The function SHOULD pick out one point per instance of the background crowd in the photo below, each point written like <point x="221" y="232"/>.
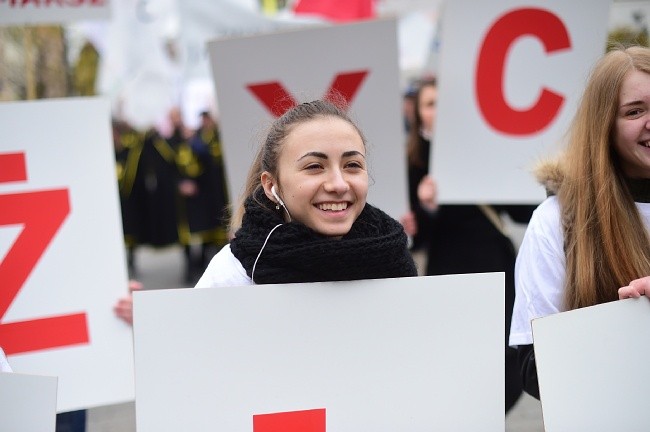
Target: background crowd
<point x="173" y="190"/>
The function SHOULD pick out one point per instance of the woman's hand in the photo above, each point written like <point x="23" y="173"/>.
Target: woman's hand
<point x="409" y="223"/>
<point x="428" y="193"/>
<point x="635" y="289"/>
<point x="124" y="307"/>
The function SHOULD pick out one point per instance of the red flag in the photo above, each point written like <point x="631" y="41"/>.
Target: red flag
<point x="337" y="10"/>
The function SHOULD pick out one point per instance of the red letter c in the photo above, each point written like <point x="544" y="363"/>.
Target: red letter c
<point x="550" y="30"/>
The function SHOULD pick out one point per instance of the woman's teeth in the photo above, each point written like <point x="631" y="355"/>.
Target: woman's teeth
<point x="333" y="206"/>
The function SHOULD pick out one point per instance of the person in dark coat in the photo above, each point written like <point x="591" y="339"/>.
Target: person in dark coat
<point x="128" y="144"/>
<point x="459" y="239"/>
<point x="203" y="205"/>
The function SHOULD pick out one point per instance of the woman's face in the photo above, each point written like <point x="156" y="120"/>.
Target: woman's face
<point x="323" y="177"/>
<point x="632" y="131"/>
<point x="427" y="101"/>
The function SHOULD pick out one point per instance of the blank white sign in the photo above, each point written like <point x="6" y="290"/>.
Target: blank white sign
<point x="410" y="354"/>
<point x="592" y="367"/>
<point x="27" y="403"/>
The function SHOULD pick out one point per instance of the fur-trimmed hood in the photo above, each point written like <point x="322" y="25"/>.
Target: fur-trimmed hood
<point x="550" y="174"/>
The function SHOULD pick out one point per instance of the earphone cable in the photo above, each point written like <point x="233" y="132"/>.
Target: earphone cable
<point x="259" y="254"/>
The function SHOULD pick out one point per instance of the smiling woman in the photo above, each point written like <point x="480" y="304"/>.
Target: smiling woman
<point x="324" y="179"/>
<point x="304" y="216"/>
<point x="588" y="243"/>
<point x="632" y="134"/>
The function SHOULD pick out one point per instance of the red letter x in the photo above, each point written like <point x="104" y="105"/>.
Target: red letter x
<point x="278" y="100"/>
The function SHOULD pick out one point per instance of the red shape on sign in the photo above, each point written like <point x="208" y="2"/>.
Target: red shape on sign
<point x="292" y="421"/>
<point x="551" y="31"/>
<point x="278" y="100"/>
<point x="345" y="85"/>
<point x="41" y="213"/>
<point x="12" y="167"/>
<point x="273" y="96"/>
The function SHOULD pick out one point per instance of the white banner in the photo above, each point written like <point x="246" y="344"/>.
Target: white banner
<point x="591" y="367"/>
<point x="27" y="403"/>
<point x="290" y="66"/>
<point x="409" y="354"/>
<point x="511" y="75"/>
<point x="30" y="12"/>
<point x="204" y="20"/>
<point x="61" y="244"/>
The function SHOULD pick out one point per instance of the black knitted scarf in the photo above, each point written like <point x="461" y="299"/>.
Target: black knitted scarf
<point x="375" y="248"/>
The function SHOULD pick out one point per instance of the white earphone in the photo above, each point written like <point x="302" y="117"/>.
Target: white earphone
<point x="275" y="194"/>
<point x="280" y="202"/>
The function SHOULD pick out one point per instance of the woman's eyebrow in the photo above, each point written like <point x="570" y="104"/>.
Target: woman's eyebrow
<point x="319" y="155"/>
<point x="353" y="153"/>
<point x="631" y="103"/>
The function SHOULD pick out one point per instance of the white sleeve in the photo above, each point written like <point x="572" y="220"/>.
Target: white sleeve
<point x="4" y="364"/>
<point x="224" y="270"/>
<point x="539" y="272"/>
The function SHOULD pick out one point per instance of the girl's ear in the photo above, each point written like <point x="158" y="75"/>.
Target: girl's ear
<point x="267" y="183"/>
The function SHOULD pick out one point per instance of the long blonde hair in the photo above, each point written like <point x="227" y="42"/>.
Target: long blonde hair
<point x="606" y="243"/>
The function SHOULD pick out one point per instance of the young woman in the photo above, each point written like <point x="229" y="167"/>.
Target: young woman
<point x="304" y="217"/>
<point x="591" y="236"/>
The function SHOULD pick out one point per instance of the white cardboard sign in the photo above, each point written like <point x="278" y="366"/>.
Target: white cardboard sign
<point x="511" y="74"/>
<point x="27" y="403"/>
<point x="590" y="365"/>
<point x="29" y="12"/>
<point x="255" y="76"/>
<point x="62" y="262"/>
<point x="375" y="355"/>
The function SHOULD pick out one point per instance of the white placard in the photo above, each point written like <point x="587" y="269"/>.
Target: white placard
<point x="27" y="403"/>
<point x="30" y="12"/>
<point x="63" y="263"/>
<point x="305" y="64"/>
<point x="408" y="354"/>
<point x="591" y="367"/>
<point x="511" y="75"/>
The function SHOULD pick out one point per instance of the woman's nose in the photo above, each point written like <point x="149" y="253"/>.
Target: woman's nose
<point x="336" y="182"/>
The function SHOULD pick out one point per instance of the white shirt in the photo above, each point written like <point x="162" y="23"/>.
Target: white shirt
<point x="224" y="270"/>
<point x="4" y="364"/>
<point x="540" y="269"/>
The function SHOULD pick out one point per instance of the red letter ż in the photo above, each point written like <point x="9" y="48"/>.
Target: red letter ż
<point x="550" y="30"/>
<point x="293" y="421"/>
<point x="278" y="100"/>
<point x="41" y="213"/>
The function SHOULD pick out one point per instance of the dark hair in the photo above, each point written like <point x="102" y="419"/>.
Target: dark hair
<point x="269" y="152"/>
<point x="413" y="143"/>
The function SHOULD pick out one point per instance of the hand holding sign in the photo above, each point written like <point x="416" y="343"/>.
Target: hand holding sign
<point x="635" y="289"/>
